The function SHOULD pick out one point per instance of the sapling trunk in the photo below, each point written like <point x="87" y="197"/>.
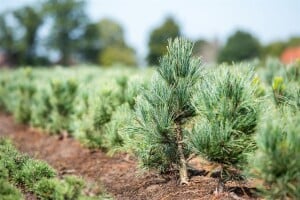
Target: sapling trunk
<point x="182" y="161"/>
<point x="221" y="182"/>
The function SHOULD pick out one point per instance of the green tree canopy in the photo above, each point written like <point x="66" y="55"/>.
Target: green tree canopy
<point x="90" y="43"/>
<point x="117" y="55"/>
<point x="111" y="33"/>
<point x="104" y="43"/>
<point x="30" y="19"/>
<point x="18" y="34"/>
<point x="273" y="49"/>
<point x="69" y="19"/>
<point x="7" y="37"/>
<point x="240" y="46"/>
<point x="158" y="40"/>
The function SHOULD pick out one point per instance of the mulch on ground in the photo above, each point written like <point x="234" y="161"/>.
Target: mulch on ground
<point x="118" y="175"/>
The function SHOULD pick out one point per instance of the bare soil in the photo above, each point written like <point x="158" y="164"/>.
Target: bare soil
<point x="118" y="175"/>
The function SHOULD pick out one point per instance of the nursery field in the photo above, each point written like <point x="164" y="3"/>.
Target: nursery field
<point x="182" y="130"/>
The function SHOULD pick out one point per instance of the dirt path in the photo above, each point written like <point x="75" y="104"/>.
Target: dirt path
<point x="119" y="176"/>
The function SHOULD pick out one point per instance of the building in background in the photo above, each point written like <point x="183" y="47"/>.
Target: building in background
<point x="290" y="55"/>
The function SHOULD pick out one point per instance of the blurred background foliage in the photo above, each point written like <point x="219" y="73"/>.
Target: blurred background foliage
<point x="61" y="32"/>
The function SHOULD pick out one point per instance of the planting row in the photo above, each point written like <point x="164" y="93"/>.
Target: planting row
<point x="37" y="177"/>
<point x="225" y="114"/>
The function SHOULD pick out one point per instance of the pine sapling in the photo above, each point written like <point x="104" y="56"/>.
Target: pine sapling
<point x="228" y="111"/>
<point x="163" y="110"/>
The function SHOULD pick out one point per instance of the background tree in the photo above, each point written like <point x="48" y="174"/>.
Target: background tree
<point x="8" y="40"/>
<point x="30" y="19"/>
<point x="240" y="46"/>
<point x="117" y="55"/>
<point x="104" y="43"/>
<point x="69" y="19"/>
<point x="90" y="44"/>
<point x="111" y="33"/>
<point x="18" y="34"/>
<point x="158" y="40"/>
<point x="113" y="48"/>
<point x="273" y="49"/>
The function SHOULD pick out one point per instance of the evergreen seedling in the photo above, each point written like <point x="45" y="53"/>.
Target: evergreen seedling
<point x="62" y="103"/>
<point x="164" y="109"/>
<point x="276" y="162"/>
<point x="228" y="112"/>
<point x="26" y="91"/>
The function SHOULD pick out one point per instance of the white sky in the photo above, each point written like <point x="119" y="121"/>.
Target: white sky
<point x="269" y="20"/>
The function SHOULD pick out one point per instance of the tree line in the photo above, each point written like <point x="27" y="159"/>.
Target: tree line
<point x="30" y="35"/>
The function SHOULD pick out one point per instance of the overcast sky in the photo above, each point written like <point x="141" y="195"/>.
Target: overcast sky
<point x="269" y="20"/>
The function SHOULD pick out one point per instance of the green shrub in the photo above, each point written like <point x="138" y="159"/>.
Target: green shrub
<point x="115" y="129"/>
<point x="134" y="88"/>
<point x="69" y="188"/>
<point x="276" y="162"/>
<point x="10" y="158"/>
<point x="63" y="94"/>
<point x="74" y="187"/>
<point x="163" y="110"/>
<point x="26" y="91"/>
<point x="273" y="68"/>
<point x="279" y="90"/>
<point x="228" y="111"/>
<point x="33" y="171"/>
<point x="41" y="109"/>
<point x="8" y="192"/>
<point x="293" y="71"/>
<point x="50" y="189"/>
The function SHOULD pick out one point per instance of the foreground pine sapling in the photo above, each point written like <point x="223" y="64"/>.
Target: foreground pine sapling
<point x="228" y="111"/>
<point x="163" y="110"/>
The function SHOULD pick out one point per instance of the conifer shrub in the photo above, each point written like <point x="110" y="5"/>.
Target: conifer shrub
<point x="63" y="94"/>
<point x="228" y="115"/>
<point x="260" y="88"/>
<point x="68" y="188"/>
<point x="24" y="97"/>
<point x="37" y="177"/>
<point x="33" y="171"/>
<point x="293" y="71"/>
<point x="162" y="112"/>
<point x="107" y="103"/>
<point x="10" y="158"/>
<point x="8" y="191"/>
<point x="279" y="90"/>
<point x="274" y="68"/>
<point x="135" y="86"/>
<point x="105" y="106"/>
<point x="115" y="133"/>
<point x="40" y="113"/>
<point x="276" y="161"/>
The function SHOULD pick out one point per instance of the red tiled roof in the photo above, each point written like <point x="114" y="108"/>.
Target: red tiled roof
<point x="290" y="55"/>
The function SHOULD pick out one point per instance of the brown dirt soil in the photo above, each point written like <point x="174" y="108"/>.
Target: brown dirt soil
<point x="118" y="174"/>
